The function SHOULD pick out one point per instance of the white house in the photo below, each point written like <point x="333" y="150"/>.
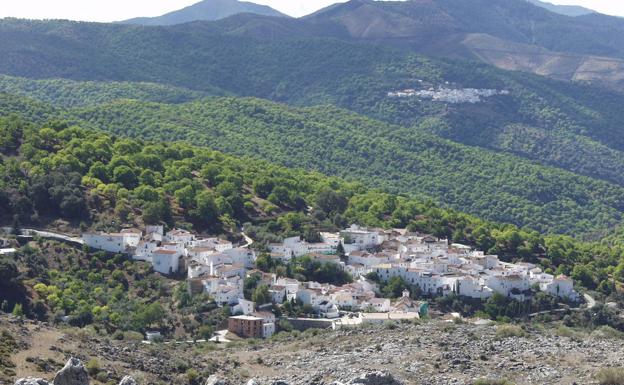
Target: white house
<point x="241" y="255"/>
<point x="344" y="299"/>
<point x="377" y="305"/>
<point x="244" y="307"/>
<point x="362" y="237"/>
<point x="292" y="287"/>
<point x="309" y="297"/>
<point x="268" y="322"/>
<point x="278" y="293"/>
<point x="560" y="286"/>
<point x="166" y="261"/>
<point x="226" y="295"/>
<point x="144" y="250"/>
<point x="180" y="236"/>
<point x="112" y="242"/>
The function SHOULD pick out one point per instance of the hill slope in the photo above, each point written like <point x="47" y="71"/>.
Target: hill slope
<point x="573" y="127"/>
<point x="206" y="10"/>
<point x="511" y="34"/>
<point x="557" y="124"/>
<point x="567" y="10"/>
<point x="498" y="187"/>
<point x="69" y="93"/>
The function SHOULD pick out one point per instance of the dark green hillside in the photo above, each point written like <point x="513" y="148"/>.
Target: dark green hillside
<point x="104" y="182"/>
<point x="531" y="136"/>
<point x="337" y="142"/>
<point x="554" y="123"/>
<point x="68" y="93"/>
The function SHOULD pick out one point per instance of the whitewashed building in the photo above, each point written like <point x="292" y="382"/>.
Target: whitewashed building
<point x="120" y="242"/>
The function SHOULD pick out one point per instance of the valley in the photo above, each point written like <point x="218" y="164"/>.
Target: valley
<point x="376" y="193"/>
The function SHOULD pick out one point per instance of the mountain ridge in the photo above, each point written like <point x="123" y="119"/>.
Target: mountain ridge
<point x="207" y="10"/>
<point x="567" y="10"/>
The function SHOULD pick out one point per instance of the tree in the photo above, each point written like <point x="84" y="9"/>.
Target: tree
<point x="150" y="314"/>
<point x="206" y="211"/>
<point x="18" y="311"/>
<point x="331" y="202"/>
<point x="340" y="251"/>
<point x="16" y="228"/>
<point x="156" y="212"/>
<point x="395" y="287"/>
<point x="263" y="187"/>
<point x="8" y="272"/>
<point x="205" y="332"/>
<point x="261" y="295"/>
<point x="126" y="177"/>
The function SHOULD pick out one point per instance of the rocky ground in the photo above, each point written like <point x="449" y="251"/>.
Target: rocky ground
<point x="433" y="352"/>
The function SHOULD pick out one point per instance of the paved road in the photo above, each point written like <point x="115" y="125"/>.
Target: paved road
<point x="590" y="301"/>
<point x="248" y="241"/>
<point x="50" y="235"/>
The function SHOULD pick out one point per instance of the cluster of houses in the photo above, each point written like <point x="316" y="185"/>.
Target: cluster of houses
<point x="175" y="251"/>
<point x="448" y="95"/>
<point x="427" y="264"/>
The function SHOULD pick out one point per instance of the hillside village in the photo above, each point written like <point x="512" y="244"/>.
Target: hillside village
<point x="448" y="94"/>
<point x="431" y="266"/>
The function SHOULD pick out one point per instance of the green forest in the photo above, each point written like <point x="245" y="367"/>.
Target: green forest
<point x="111" y="181"/>
<point x="495" y="186"/>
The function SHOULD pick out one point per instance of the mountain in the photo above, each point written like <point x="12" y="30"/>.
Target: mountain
<point x="206" y="10"/>
<point x="571" y="130"/>
<point x="497" y="186"/>
<point x="567" y="10"/>
<point x="511" y="34"/>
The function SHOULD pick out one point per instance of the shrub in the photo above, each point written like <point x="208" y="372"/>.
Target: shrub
<point x="507" y="331"/>
<point x="18" y="311"/>
<point x="101" y="377"/>
<point x="610" y="376"/>
<point x="192" y="376"/>
<point x="491" y="381"/>
<point x="564" y="331"/>
<point x="607" y="333"/>
<point x="93" y="367"/>
<point x="205" y="332"/>
<point x="390" y="325"/>
<point x="118" y="335"/>
<point x="132" y="336"/>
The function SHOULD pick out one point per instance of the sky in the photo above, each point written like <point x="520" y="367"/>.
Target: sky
<point x="114" y="10"/>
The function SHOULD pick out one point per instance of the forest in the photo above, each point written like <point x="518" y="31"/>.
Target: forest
<point x="115" y="181"/>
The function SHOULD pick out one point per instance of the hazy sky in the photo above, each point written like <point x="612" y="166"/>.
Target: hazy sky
<point x="111" y="10"/>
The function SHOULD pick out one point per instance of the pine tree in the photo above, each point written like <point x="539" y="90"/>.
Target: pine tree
<point x="18" y="311"/>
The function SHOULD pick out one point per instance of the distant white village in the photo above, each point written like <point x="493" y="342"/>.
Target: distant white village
<point x="448" y="94"/>
<point x="428" y="264"/>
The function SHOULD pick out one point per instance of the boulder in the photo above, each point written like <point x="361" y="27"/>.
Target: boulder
<point x="253" y="382"/>
<point x="375" y="378"/>
<point x="214" y="380"/>
<point x="73" y="373"/>
<point x="127" y="380"/>
<point x="31" y="381"/>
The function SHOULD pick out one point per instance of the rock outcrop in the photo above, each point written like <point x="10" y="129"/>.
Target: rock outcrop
<point x="127" y="380"/>
<point x="375" y="378"/>
<point x="31" y="381"/>
<point x="73" y="373"/>
<point x="215" y="380"/>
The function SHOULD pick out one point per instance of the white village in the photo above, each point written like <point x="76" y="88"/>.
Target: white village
<point x="429" y="265"/>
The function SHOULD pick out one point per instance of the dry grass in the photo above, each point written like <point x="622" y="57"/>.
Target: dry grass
<point x="507" y="331"/>
<point x="490" y="381"/>
<point x="611" y="376"/>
